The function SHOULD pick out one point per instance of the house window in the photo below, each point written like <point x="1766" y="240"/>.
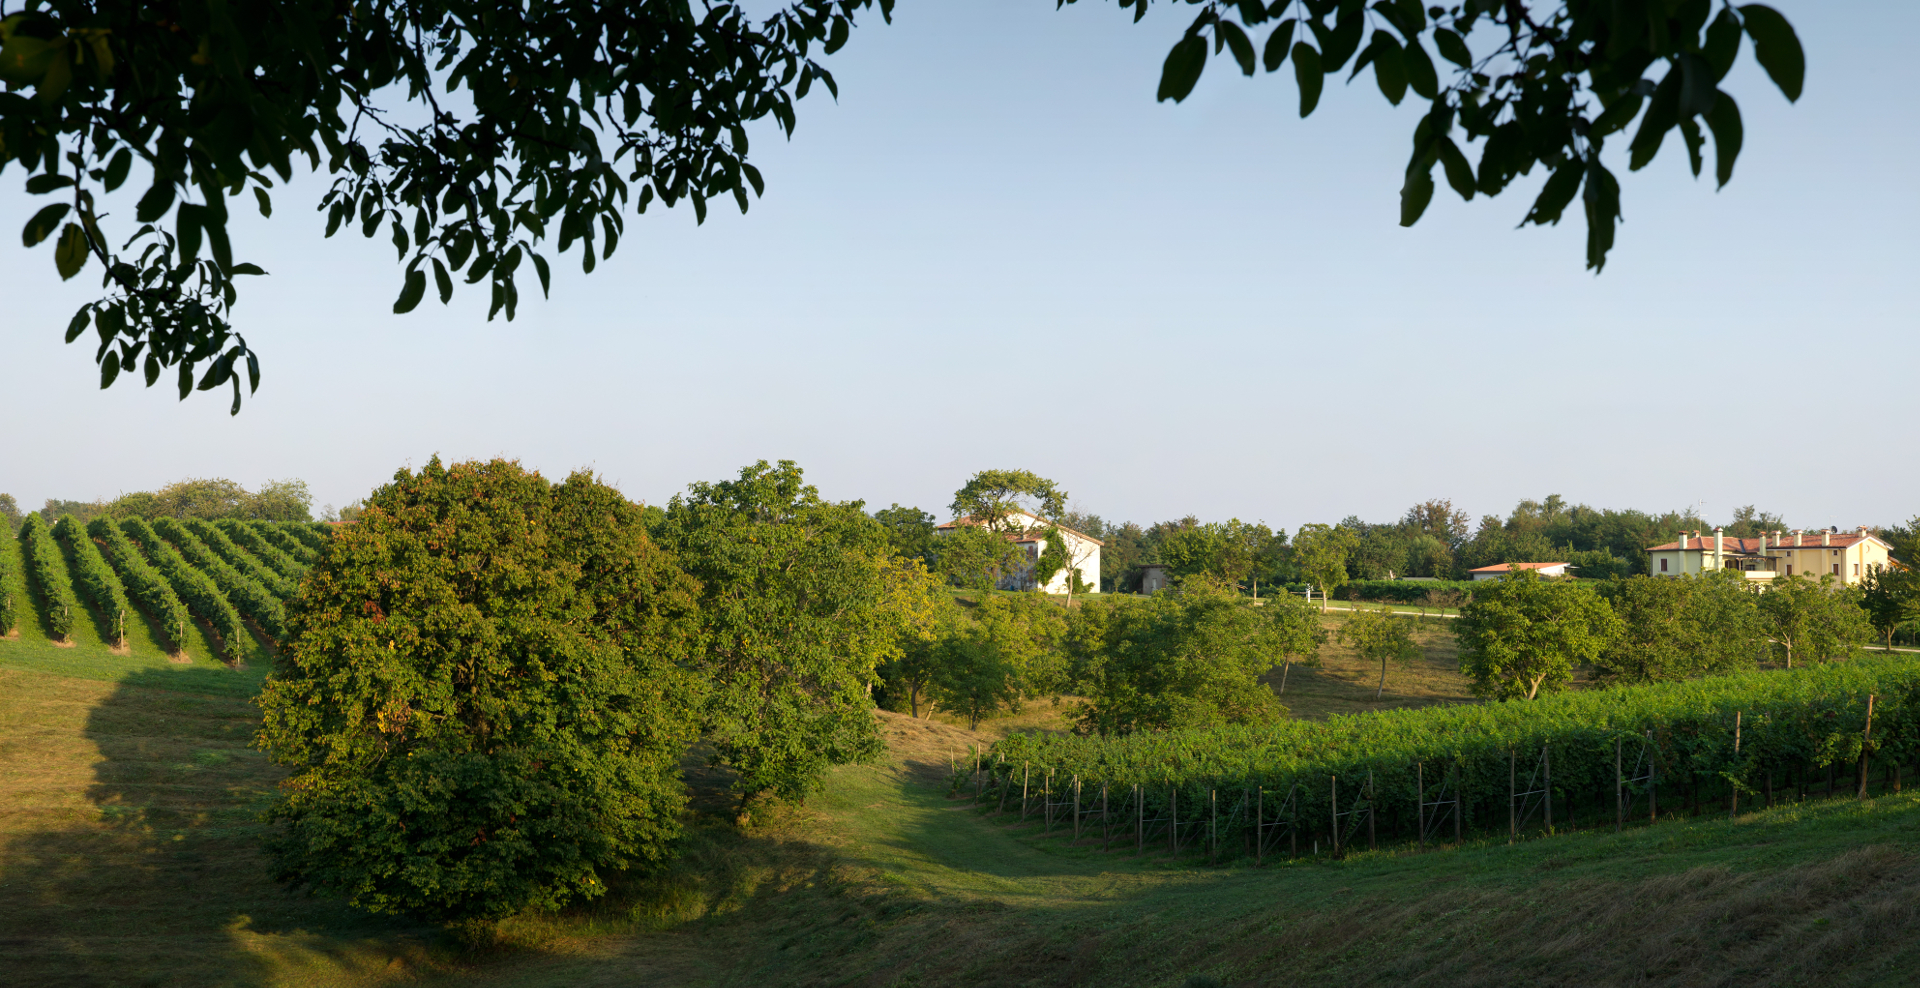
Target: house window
<point x="1856" y="569"/>
<point x="1789" y="569"/>
<point x="1663" y="565"/>
<point x="1836" y="569"/>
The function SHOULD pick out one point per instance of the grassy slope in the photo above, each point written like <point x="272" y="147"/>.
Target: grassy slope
<point x="129" y="853"/>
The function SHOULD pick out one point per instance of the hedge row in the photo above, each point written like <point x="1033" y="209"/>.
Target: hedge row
<point x="256" y="540"/>
<point x="242" y="591"/>
<point x="49" y="572"/>
<point x="9" y="580"/>
<point x="195" y="588"/>
<point x="284" y="540"/>
<point x="95" y="577"/>
<point x="238" y="558"/>
<point x="313" y="535"/>
<point x="1705" y="739"/>
<point x="1402" y="591"/>
<point x="146" y="584"/>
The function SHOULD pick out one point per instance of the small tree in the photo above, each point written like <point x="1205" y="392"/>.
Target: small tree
<point x="1380" y="637"/>
<point x="1294" y="632"/>
<point x="975" y="679"/>
<point x="1192" y="659"/>
<point x="1672" y="629"/>
<point x="1523" y="634"/>
<point x="1821" y="619"/>
<point x="1891" y="598"/>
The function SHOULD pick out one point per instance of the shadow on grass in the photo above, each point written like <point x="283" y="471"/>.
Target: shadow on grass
<point x="152" y="874"/>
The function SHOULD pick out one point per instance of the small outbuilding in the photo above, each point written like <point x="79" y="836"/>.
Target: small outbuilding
<point x="1499" y="570"/>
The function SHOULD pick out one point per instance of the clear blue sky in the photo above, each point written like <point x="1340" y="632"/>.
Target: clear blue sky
<point x="997" y="250"/>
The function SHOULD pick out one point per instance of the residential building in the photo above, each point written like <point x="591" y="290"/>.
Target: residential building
<point x="1499" y="570"/>
<point x="1029" y="531"/>
<point x="1846" y="557"/>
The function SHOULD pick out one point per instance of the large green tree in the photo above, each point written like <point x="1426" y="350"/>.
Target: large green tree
<point x="1891" y="597"/>
<point x="482" y="699"/>
<point x="1814" y="619"/>
<point x="1378" y="636"/>
<point x="1522" y="635"/>
<point x="1320" y="553"/>
<point x="994" y="497"/>
<point x="796" y="618"/>
<point x="1675" y="628"/>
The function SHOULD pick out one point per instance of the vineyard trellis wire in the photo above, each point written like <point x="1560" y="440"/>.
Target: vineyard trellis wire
<point x="1413" y="776"/>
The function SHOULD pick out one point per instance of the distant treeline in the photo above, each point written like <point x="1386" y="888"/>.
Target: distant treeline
<point x="1432" y="539"/>
<point x="215" y="498"/>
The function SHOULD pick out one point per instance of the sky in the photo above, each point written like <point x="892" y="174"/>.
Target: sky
<point x="997" y="250"/>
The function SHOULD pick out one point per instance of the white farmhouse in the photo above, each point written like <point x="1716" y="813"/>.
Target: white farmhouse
<point x="1498" y="570"/>
<point x="1028" y="531"/>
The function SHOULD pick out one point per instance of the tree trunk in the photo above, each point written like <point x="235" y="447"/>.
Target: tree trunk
<point x="1286" y="666"/>
<point x="1383" y="681"/>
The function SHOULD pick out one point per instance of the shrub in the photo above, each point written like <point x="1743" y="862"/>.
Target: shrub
<point x="146" y="584"/>
<point x="201" y="595"/>
<point x="253" y="540"/>
<point x="95" y="577"/>
<point x="483" y="698"/>
<point x="49" y="573"/>
<point x="244" y="593"/>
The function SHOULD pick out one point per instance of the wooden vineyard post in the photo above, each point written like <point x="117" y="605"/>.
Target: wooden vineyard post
<point x="1458" y="810"/>
<point x="1769" y="789"/>
<point x="1213" y="827"/>
<point x="977" y="781"/>
<point x="1173" y="821"/>
<point x="1046" y="803"/>
<point x="1259" y="820"/>
<point x="1546" y="762"/>
<point x="1106" y="827"/>
<point x="1372" y="845"/>
<point x="1513" y="785"/>
<point x="1733" y="798"/>
<point x="1025" y="768"/>
<point x="1619" y="791"/>
<point x="1420" y="801"/>
<point x="1653" y="782"/>
<point x="1076" y="807"/>
<point x="1006" y="784"/>
<point x="1866" y="743"/>
<point x="1334" y="802"/>
<point x="1140" y="821"/>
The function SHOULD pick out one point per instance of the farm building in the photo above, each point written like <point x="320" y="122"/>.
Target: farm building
<point x="1029" y="531"/>
<point x="1825" y="552"/>
<point x="1499" y="570"/>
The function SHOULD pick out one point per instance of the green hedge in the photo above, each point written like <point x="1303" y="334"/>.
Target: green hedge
<point x="49" y="572"/>
<point x="250" y="537"/>
<point x="146" y="584"/>
<point x="216" y="539"/>
<point x="313" y="535"/>
<point x="197" y="590"/>
<point x="1400" y="591"/>
<point x="1787" y="724"/>
<point x="95" y="577"/>
<point x="245" y="593"/>
<point x="9" y="582"/>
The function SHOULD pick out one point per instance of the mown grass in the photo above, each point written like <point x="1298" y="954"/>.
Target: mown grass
<point x="129" y="854"/>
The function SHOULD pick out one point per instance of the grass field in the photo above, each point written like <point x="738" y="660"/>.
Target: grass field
<point x="129" y="855"/>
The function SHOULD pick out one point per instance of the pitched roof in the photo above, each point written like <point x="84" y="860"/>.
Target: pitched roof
<point x="1808" y="540"/>
<point x="1503" y="567"/>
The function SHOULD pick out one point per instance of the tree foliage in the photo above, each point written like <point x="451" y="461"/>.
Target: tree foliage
<point x="1891" y="598"/>
<point x="794" y="623"/>
<point x="1523" y="635"/>
<point x="1533" y="83"/>
<point x="1812" y="619"/>
<point x="475" y="137"/>
<point x="1184" y="660"/>
<point x="1674" y="628"/>
<point x="1320" y="553"/>
<point x="1378" y="636"/>
<point x="9" y="579"/>
<point x="993" y="497"/>
<point x="483" y="698"/>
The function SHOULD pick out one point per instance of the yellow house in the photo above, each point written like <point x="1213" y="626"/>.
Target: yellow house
<point x="1825" y="552"/>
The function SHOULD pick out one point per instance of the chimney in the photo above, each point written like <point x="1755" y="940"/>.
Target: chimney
<point x="1826" y="537"/>
<point x="1796" y="537"/>
<point x="1719" y="546"/>
<point x="1763" y="543"/>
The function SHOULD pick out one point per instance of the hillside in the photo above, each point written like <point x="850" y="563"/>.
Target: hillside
<point x="129" y="854"/>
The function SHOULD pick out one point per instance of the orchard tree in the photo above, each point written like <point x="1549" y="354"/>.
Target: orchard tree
<point x="1677" y="628"/>
<point x="482" y="699"/>
<point x="1378" y="636"/>
<point x="1524" y="634"/>
<point x="795" y="619"/>
<point x="1814" y="619"/>
<point x="1320" y="552"/>
<point x="1891" y="598"/>
<point x="993" y="497"/>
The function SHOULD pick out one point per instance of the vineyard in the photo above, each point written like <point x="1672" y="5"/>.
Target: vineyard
<point x="1441" y="774"/>
<point x="231" y="577"/>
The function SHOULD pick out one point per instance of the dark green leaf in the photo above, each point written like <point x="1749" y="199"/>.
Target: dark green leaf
<point x="1415" y="194"/>
<point x="546" y="275"/>
<point x="1554" y="196"/>
<point x="1696" y="85"/>
<point x="117" y="169"/>
<point x="1306" y="72"/>
<point x="246" y="267"/>
<point x="40" y="185"/>
<point x="411" y="293"/>
<point x="1663" y="112"/>
<point x="266" y="204"/>
<point x="1690" y="131"/>
<point x="1389" y="69"/>
<point x="1724" y="121"/>
<point x="1459" y="173"/>
<point x="187" y="229"/>
<point x="1617" y="115"/>
<point x="78" y="324"/>
<point x="1277" y="44"/>
<point x="1776" y="47"/>
<point x="71" y="254"/>
<point x="1252" y="12"/>
<point x="155" y="203"/>
<point x="1420" y="74"/>
<point x="1182" y="68"/>
<point x="1413" y="16"/>
<point x="1452" y="48"/>
<point x="1723" y="43"/>
<point x="253" y="371"/>
<point x="1238" y="43"/>
<point x="109" y="368"/>
<point x="442" y="281"/>
<point x="43" y="224"/>
<point x="838" y="39"/>
<point x="1603" y="211"/>
<point x="1345" y="38"/>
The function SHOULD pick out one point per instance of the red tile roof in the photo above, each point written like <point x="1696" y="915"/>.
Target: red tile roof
<point x="1503" y="567"/>
<point x="1808" y="540"/>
